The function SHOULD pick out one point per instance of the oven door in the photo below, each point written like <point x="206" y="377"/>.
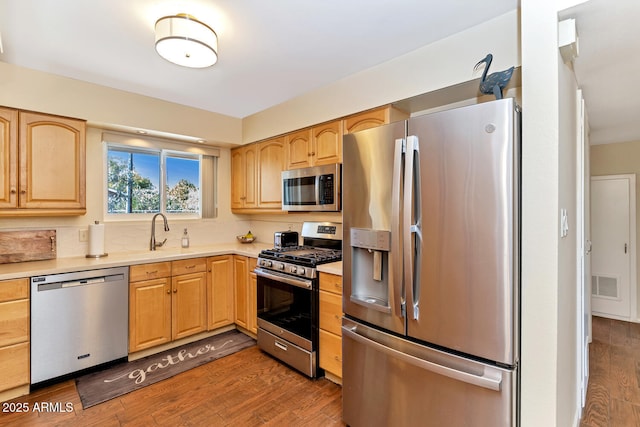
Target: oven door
<point x="287" y="307"/>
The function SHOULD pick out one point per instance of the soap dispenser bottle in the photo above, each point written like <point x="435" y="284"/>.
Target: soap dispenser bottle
<point x="185" y="239"/>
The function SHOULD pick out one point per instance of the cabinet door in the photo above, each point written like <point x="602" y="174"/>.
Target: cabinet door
<point x="299" y="149"/>
<point x="327" y="143"/>
<point x="149" y="313"/>
<point x="365" y="120"/>
<point x="270" y="167"/>
<point x="331" y="353"/>
<point x="189" y="304"/>
<point x="373" y="118"/>
<point x="330" y="312"/>
<point x="8" y="158"/>
<point x="220" y="304"/>
<point x="244" y="163"/>
<point x="241" y="276"/>
<point x="14" y="361"/>
<point x="52" y="162"/>
<point x="252" y="303"/>
<point x="238" y="178"/>
<point x="14" y="322"/>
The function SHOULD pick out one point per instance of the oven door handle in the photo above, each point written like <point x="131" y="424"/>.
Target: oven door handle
<point x="289" y="280"/>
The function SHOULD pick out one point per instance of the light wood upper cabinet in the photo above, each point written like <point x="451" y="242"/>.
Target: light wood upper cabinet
<point x="244" y="162"/>
<point x="299" y="149"/>
<point x="320" y="145"/>
<point x="327" y="143"/>
<point x="255" y="176"/>
<point x="42" y="169"/>
<point x="8" y="158"/>
<point x="373" y="118"/>
<point x="270" y="166"/>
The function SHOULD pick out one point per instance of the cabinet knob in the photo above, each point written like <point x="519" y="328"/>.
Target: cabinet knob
<point x="175" y="291"/>
<point x="168" y="291"/>
<point x="13" y="191"/>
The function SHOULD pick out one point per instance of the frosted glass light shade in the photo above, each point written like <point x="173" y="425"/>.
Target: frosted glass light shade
<point x="185" y="41"/>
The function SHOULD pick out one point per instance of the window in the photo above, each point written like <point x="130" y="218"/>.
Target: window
<point x="144" y="180"/>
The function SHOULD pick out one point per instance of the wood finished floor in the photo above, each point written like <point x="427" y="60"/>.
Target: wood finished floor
<point x="247" y="388"/>
<point x="613" y="394"/>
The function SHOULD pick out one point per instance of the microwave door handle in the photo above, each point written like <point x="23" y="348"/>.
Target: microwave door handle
<point x="395" y="261"/>
<point x="317" y="178"/>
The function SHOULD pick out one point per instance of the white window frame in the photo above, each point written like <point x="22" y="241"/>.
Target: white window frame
<point x="164" y="149"/>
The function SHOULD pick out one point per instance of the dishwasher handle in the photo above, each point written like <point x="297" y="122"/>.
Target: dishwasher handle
<point x="81" y="282"/>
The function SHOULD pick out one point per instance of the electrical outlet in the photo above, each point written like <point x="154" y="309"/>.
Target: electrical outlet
<point x="83" y="235"/>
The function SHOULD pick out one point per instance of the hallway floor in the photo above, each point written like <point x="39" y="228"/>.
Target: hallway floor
<point x="613" y="395"/>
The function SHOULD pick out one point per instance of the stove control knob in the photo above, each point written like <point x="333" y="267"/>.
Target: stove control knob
<point x="301" y="271"/>
<point x="280" y="266"/>
<point x="293" y="269"/>
<point x="266" y="263"/>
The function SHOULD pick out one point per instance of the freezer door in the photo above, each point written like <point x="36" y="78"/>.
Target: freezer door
<point x="461" y="230"/>
<point x="371" y="201"/>
<point x="390" y="381"/>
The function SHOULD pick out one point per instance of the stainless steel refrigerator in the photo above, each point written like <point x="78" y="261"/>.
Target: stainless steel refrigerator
<point x="431" y="270"/>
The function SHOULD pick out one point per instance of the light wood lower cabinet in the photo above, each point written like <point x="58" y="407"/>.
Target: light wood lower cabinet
<point x="331" y="324"/>
<point x="14" y="337"/>
<point x="245" y="292"/>
<point x="169" y="304"/>
<point x="220" y="290"/>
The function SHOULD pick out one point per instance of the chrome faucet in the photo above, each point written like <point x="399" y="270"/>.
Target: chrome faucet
<point x="153" y="245"/>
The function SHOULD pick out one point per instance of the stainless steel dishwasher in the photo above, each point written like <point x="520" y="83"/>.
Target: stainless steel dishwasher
<point x="78" y="320"/>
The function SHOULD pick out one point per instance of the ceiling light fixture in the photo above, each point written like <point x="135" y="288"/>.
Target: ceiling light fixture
<point x="185" y="41"/>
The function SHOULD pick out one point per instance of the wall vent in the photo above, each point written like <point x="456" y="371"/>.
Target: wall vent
<point x="604" y="286"/>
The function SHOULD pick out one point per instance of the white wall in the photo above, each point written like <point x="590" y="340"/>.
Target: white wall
<point x="548" y="262"/>
<point x="34" y="90"/>
<point x="441" y="64"/>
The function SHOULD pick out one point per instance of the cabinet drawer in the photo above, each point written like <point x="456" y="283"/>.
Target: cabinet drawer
<point x="14" y="322"/>
<point x="331" y="312"/>
<point x="14" y="289"/>
<point x="186" y="266"/>
<point x="14" y="364"/>
<point x="149" y="271"/>
<point x="331" y="353"/>
<point x="331" y="283"/>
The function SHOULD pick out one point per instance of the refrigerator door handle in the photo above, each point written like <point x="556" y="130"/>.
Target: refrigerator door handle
<point x="399" y="304"/>
<point x="490" y="379"/>
<point x="412" y="222"/>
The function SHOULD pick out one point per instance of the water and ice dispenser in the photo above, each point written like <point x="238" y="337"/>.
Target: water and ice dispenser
<point x="370" y="279"/>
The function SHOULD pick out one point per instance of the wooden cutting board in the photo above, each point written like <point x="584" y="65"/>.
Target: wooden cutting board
<point x="33" y="245"/>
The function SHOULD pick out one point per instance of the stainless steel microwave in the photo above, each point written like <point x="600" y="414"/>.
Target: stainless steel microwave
<point x="312" y="189"/>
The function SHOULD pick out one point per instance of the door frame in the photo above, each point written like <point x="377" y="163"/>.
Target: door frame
<point x="583" y="250"/>
<point x="633" y="281"/>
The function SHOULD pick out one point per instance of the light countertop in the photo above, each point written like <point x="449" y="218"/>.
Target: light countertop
<point x="332" y="267"/>
<point x="70" y="264"/>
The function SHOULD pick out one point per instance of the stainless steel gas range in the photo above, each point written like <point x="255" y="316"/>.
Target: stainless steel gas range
<point x="288" y="295"/>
